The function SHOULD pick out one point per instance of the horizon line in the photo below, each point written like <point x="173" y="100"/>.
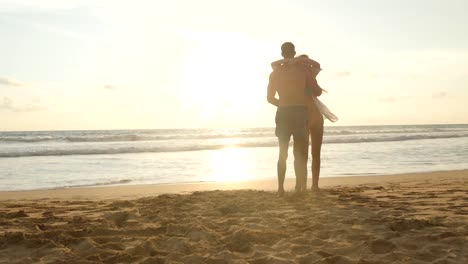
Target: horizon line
<point x="218" y="128"/>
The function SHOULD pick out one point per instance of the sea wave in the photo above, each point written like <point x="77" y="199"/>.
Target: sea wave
<point x="27" y="139"/>
<point x="129" y="137"/>
<point x="104" y="136"/>
<point x="78" y="185"/>
<point x="62" y="185"/>
<point x="395" y="131"/>
<point x="198" y="146"/>
<point x="106" y="183"/>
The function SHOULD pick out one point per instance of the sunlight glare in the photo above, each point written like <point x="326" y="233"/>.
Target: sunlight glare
<point x="229" y="164"/>
<point x="223" y="76"/>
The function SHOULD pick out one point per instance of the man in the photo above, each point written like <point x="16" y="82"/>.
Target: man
<point x="291" y="81"/>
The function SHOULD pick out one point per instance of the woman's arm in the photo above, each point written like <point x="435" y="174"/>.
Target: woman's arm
<point x="304" y="59"/>
<point x="312" y="84"/>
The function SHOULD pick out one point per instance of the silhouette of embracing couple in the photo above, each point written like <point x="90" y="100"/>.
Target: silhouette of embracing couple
<point x="299" y="114"/>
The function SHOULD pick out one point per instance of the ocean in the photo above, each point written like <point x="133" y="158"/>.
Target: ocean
<point x="63" y="159"/>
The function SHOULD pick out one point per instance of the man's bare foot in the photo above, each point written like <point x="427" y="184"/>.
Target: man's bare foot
<point x="280" y="192"/>
<point x="300" y="194"/>
<point x="300" y="190"/>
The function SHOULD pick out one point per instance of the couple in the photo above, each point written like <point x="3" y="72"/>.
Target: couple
<point x="299" y="113"/>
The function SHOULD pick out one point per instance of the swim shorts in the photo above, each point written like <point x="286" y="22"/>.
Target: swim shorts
<point x="291" y="120"/>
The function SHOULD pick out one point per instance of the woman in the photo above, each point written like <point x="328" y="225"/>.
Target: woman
<point x="316" y="134"/>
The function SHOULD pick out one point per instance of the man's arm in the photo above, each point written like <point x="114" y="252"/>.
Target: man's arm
<point x="271" y="91"/>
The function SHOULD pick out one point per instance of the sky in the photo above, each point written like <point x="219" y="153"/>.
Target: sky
<point x="90" y="64"/>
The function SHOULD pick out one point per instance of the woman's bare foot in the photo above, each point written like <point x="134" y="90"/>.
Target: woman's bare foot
<point x="315" y="189"/>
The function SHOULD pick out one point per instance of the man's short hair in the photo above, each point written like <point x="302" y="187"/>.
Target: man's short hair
<point x="288" y="50"/>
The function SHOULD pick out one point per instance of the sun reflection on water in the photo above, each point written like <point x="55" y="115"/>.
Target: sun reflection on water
<point x="230" y="164"/>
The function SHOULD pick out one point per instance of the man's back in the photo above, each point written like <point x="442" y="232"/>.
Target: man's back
<point x="289" y="81"/>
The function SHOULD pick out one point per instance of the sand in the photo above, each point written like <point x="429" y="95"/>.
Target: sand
<point x="411" y="218"/>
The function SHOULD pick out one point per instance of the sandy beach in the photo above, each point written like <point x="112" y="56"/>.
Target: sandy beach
<point x="409" y="218"/>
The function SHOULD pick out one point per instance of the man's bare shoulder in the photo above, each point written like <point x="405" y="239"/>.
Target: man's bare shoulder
<point x="295" y="69"/>
<point x="277" y="71"/>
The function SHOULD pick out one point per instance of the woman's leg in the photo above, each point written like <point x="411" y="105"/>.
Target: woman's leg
<point x="316" y="137"/>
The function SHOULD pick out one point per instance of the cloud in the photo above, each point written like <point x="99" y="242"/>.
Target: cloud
<point x="439" y="95"/>
<point x="343" y="74"/>
<point x="73" y="20"/>
<point x="8" y="105"/>
<point x="11" y="82"/>
<point x="29" y="108"/>
<point x="109" y="87"/>
<point x="413" y="76"/>
<point x="387" y="99"/>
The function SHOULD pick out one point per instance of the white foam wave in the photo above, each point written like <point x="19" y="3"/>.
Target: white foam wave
<point x="201" y="134"/>
<point x="128" y="137"/>
<point x="196" y="146"/>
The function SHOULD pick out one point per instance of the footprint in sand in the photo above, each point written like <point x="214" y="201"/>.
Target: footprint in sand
<point x="381" y="246"/>
<point x="271" y="260"/>
<point x="118" y="218"/>
<point x="17" y="214"/>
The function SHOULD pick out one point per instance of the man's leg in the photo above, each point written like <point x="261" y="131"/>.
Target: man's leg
<point x="281" y="166"/>
<point x="316" y="137"/>
<point x="301" y="149"/>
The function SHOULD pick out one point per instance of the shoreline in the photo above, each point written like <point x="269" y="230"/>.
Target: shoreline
<point x="116" y="184"/>
<point x="143" y="190"/>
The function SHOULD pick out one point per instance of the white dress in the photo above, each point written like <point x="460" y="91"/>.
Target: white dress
<point x="324" y="110"/>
